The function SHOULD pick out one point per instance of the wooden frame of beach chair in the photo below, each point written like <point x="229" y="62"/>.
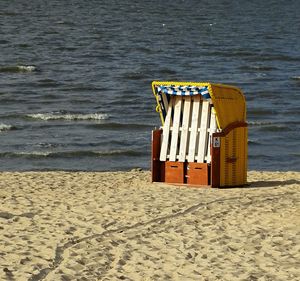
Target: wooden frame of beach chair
<point x="191" y="147"/>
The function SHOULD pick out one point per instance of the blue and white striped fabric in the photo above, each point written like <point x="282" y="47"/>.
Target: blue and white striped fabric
<point x="184" y="91"/>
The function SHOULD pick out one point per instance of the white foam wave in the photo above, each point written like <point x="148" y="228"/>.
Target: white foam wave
<point x="69" y="117"/>
<point x="26" y="68"/>
<point x="259" y="123"/>
<point x="4" y="127"/>
<point x="18" y="68"/>
<point x="33" y="153"/>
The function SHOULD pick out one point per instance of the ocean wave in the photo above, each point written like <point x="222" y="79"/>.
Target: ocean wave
<point x="261" y="111"/>
<point x="5" y="127"/>
<point x="270" y="123"/>
<point x="23" y="154"/>
<point x="167" y="71"/>
<point x="120" y="126"/>
<point x="2" y="41"/>
<point x="18" y="68"/>
<point x="257" y="68"/>
<point x="68" y="116"/>
<point x="261" y="156"/>
<point x="295" y="154"/>
<point x="276" y="128"/>
<point x="133" y="76"/>
<point x="48" y="145"/>
<point x="296" y="78"/>
<point x="70" y="154"/>
<point x="259" y="123"/>
<point x="275" y="57"/>
<point x="253" y="142"/>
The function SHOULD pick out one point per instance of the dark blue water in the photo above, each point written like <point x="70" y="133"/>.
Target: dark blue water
<point x="75" y="76"/>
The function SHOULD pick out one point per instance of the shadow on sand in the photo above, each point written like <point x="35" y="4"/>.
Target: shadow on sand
<point x="258" y="184"/>
<point x="264" y="184"/>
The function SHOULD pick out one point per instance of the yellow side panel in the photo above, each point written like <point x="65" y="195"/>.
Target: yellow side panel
<point x="233" y="160"/>
<point x="229" y="103"/>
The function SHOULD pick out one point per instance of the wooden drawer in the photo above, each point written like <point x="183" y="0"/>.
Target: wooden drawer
<point x="174" y="172"/>
<point x="198" y="173"/>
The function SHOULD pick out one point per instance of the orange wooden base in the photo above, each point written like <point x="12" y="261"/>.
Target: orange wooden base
<point x="191" y="173"/>
<point x="196" y="174"/>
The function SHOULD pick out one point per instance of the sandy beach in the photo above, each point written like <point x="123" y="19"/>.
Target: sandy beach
<point x="119" y="226"/>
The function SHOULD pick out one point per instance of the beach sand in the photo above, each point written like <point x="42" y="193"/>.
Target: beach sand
<point x="119" y="226"/>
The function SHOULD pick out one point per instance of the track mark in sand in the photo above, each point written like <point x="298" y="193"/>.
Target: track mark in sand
<point x="7" y="215"/>
<point x="160" y="220"/>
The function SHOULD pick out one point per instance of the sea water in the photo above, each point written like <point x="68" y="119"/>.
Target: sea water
<point x="75" y="77"/>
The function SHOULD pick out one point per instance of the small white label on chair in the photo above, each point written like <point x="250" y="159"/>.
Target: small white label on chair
<point x="216" y="142"/>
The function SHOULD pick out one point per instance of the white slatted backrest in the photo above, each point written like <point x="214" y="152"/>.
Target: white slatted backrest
<point x="188" y="126"/>
<point x="185" y="129"/>
<point x="166" y="132"/>
<point x="175" y="129"/>
<point x="194" y="128"/>
<point x="203" y="135"/>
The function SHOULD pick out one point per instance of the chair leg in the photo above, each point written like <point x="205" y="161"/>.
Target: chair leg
<point x="215" y="161"/>
<point x="157" y="170"/>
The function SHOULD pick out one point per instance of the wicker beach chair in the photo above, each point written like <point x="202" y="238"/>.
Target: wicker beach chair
<point x="187" y="148"/>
